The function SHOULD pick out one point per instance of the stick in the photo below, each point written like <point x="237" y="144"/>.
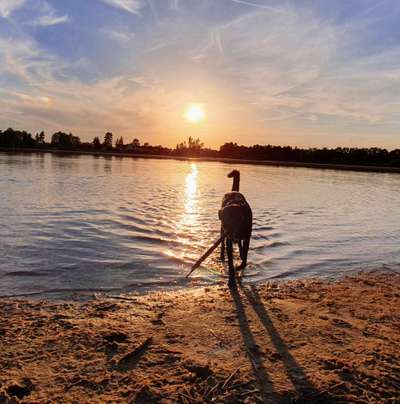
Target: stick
<point x="230" y="377"/>
<point x="206" y="254"/>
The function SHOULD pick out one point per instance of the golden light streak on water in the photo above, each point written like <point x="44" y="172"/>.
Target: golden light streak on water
<point x="189" y="219"/>
<point x="191" y="204"/>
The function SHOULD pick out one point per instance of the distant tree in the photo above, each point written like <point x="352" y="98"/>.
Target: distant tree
<point x="16" y="138"/>
<point x="192" y="147"/>
<point x="394" y="158"/>
<point x="108" y="140"/>
<point x="96" y="142"/>
<point x="61" y="139"/>
<point x="40" y="138"/>
<point x="119" y="143"/>
<point x="374" y="156"/>
<point x="195" y="144"/>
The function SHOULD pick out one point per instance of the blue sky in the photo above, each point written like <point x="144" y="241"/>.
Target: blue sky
<point x="299" y="72"/>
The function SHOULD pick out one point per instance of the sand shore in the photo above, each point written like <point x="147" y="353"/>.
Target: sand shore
<point x="301" y="341"/>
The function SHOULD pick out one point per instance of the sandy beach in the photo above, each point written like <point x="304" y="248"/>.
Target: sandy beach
<point x="299" y="341"/>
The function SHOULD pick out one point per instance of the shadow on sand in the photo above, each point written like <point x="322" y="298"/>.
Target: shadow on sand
<point x="304" y="389"/>
<point x="252" y="349"/>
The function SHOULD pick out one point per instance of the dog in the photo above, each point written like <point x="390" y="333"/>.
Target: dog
<point x="236" y="226"/>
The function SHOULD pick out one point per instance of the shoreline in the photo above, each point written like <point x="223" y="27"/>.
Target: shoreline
<point x="341" y="167"/>
<point x="308" y="340"/>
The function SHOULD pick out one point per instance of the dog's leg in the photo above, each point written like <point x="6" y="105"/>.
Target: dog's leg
<point x="222" y="247"/>
<point x="240" y="249"/>
<point x="229" y="250"/>
<point x="245" y="251"/>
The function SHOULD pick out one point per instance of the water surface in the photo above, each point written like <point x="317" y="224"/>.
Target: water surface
<point x="87" y="223"/>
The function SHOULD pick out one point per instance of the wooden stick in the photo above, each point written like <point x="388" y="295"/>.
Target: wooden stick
<point x="206" y="254"/>
<point x="230" y="377"/>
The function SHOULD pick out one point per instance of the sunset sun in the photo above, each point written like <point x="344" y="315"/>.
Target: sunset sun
<point x="194" y="113"/>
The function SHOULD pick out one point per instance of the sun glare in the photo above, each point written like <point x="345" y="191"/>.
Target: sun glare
<point x="194" y="113"/>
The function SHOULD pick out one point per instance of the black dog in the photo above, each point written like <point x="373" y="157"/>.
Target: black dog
<point x="236" y="223"/>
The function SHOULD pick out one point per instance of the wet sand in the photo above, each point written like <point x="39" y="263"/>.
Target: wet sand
<point x="300" y="341"/>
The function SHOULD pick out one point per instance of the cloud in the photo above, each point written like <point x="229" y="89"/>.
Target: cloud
<point x="48" y="16"/>
<point x="7" y="7"/>
<point x="258" y="70"/>
<point x="309" y="69"/>
<point x="118" y="34"/>
<point x="35" y="94"/>
<point x="48" y="20"/>
<point x="131" y="6"/>
<point x="253" y="4"/>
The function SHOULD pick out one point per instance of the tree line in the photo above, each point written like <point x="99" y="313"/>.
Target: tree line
<point x="193" y="147"/>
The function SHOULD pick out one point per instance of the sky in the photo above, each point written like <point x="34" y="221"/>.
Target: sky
<point x="306" y="73"/>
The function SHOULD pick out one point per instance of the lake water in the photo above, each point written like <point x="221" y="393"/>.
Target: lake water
<point x="78" y="224"/>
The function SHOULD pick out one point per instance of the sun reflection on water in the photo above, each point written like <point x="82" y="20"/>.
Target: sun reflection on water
<point x="190" y="215"/>
<point x="189" y="221"/>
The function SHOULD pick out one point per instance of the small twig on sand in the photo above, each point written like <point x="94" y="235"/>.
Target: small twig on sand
<point x="320" y="393"/>
<point x="221" y="385"/>
<point x="183" y="398"/>
<point x="120" y="298"/>
<point x="212" y="390"/>
<point x="187" y="397"/>
<point x="232" y="375"/>
<point x="129" y="361"/>
<point x="248" y="392"/>
<point x="213" y="333"/>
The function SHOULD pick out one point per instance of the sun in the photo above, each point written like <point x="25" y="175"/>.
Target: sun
<point x="194" y="113"/>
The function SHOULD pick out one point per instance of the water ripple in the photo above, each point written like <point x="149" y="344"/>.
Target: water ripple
<point x="79" y="224"/>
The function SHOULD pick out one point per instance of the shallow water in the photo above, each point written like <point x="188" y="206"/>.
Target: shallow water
<point x="74" y="224"/>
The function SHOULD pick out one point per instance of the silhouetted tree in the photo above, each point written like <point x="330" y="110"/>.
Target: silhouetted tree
<point x="61" y="139"/>
<point x="192" y="147"/>
<point x="16" y="138"/>
<point x="376" y="156"/>
<point x="108" y="140"/>
<point x="40" y="138"/>
<point x="96" y="143"/>
<point x="119" y="143"/>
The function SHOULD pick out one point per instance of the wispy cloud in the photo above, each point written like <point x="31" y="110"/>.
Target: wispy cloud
<point x="7" y="7"/>
<point x="48" y="16"/>
<point x="117" y="34"/>
<point x="288" y="69"/>
<point x="131" y="6"/>
<point x="253" y="4"/>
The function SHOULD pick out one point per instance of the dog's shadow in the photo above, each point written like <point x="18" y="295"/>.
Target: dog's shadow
<point x="304" y="389"/>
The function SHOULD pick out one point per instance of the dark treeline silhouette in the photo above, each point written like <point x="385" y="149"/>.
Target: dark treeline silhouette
<point x="373" y="156"/>
<point x="339" y="155"/>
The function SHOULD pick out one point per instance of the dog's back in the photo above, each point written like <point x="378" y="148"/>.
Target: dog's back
<point x="236" y="216"/>
<point x="233" y="198"/>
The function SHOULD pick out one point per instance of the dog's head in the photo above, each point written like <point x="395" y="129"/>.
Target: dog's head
<point x="233" y="174"/>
